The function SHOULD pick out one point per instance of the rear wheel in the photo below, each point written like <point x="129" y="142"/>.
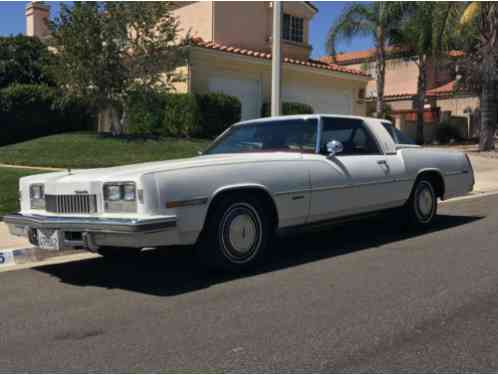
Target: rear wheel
<point x="237" y="233"/>
<point x="422" y="204"/>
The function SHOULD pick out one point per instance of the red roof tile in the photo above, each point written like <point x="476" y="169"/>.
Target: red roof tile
<point x="360" y="56"/>
<point x="447" y="88"/>
<point x="258" y="54"/>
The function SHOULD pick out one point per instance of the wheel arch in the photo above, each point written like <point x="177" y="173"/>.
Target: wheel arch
<point x="262" y="191"/>
<point x="436" y="177"/>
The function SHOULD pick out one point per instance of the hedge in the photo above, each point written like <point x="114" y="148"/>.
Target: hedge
<point x="288" y="108"/>
<point x="445" y="133"/>
<point x="217" y="112"/>
<point x="181" y="115"/>
<point x="30" y="111"/>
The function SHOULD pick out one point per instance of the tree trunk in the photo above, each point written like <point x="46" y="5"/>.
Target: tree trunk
<point x="109" y="120"/>
<point x="488" y="115"/>
<point x="420" y="100"/>
<point x="380" y="70"/>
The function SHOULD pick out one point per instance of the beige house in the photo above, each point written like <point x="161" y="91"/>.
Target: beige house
<point x="443" y="100"/>
<point x="231" y="53"/>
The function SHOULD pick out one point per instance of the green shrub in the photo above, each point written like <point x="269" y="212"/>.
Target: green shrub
<point x="288" y="108"/>
<point x="445" y="133"/>
<point x="181" y="115"/>
<point x="145" y="112"/>
<point x="217" y="112"/>
<point x="30" y="111"/>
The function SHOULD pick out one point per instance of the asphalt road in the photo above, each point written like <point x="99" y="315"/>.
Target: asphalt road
<point x="361" y="297"/>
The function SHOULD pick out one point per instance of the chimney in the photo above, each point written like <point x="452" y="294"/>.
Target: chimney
<point x="36" y="19"/>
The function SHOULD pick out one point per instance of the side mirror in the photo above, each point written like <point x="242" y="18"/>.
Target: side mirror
<point x="334" y="147"/>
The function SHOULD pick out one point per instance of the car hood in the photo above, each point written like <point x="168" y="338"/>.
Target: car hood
<point x="134" y="171"/>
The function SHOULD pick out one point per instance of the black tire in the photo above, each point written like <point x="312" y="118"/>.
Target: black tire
<point x="236" y="235"/>
<point x="116" y="253"/>
<point x="421" y="207"/>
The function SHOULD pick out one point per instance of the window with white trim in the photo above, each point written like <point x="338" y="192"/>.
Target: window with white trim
<point x="293" y="28"/>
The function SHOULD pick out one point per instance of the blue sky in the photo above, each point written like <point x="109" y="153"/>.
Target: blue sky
<point x="12" y="21"/>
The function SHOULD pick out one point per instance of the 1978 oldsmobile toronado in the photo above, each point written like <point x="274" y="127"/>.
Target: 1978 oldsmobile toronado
<point x="257" y="178"/>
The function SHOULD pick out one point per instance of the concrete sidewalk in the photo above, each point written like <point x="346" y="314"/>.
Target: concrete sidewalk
<point x="485" y="170"/>
<point x="7" y="241"/>
<point x="486" y="173"/>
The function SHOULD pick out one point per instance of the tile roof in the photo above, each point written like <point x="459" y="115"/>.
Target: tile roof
<point x="198" y="42"/>
<point x="360" y="56"/>
<point x="356" y="56"/>
<point x="447" y="88"/>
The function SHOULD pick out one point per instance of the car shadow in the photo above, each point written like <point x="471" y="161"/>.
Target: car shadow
<point x="175" y="271"/>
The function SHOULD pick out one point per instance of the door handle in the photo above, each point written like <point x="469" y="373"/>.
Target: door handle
<point x="382" y="162"/>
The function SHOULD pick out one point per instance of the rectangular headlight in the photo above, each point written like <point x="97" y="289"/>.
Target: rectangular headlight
<point x="129" y="192"/>
<point x="120" y="197"/>
<point x="112" y="192"/>
<point x="37" y="196"/>
<point x="37" y="192"/>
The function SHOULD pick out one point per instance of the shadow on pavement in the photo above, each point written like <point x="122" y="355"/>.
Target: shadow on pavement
<point x="175" y="271"/>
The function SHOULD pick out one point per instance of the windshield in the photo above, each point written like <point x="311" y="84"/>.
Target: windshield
<point x="292" y="135"/>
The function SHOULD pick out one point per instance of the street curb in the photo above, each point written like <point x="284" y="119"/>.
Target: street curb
<point x="51" y="261"/>
<point x="471" y="196"/>
<point x="30" y="167"/>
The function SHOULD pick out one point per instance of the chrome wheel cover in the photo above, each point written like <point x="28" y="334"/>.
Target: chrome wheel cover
<point x="240" y="233"/>
<point x="425" y="202"/>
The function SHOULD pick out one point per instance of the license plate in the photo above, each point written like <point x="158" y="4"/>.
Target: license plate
<point x="49" y="239"/>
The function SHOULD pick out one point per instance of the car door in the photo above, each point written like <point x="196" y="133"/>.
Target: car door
<point x="353" y="181"/>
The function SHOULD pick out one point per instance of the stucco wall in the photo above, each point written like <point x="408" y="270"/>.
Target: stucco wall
<point x="457" y="105"/>
<point x="196" y="17"/>
<point x="400" y="105"/>
<point x="401" y="77"/>
<point x="206" y="63"/>
<point x="245" y="24"/>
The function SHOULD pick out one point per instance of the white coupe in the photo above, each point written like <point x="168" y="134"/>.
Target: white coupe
<point x="258" y="178"/>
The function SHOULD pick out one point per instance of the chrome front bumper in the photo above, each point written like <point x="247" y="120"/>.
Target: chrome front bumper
<point x="99" y="225"/>
<point x="96" y="232"/>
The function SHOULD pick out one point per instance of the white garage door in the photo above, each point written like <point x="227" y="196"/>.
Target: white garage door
<point x="248" y="92"/>
<point x="323" y="100"/>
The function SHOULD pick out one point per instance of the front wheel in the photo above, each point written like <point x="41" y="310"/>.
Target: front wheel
<point x="236" y="234"/>
<point x="422" y="204"/>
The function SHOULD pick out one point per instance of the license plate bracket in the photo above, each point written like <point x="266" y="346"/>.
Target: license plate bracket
<point x="49" y="239"/>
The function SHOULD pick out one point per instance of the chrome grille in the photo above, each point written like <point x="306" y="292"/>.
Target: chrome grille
<point x="71" y="204"/>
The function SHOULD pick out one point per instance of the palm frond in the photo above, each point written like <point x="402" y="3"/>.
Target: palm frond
<point x="357" y="19"/>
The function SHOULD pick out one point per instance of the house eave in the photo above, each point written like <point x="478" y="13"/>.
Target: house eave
<point x="286" y="65"/>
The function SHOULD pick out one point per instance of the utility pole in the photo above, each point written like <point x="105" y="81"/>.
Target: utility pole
<point x="276" y="63"/>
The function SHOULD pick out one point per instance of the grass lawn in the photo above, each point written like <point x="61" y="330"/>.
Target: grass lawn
<point x="86" y="150"/>
<point x="9" y="187"/>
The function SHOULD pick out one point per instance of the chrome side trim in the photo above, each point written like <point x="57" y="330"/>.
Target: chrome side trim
<point x="288" y="192"/>
<point x="91" y="224"/>
<point x="456" y="173"/>
<point x="337" y="187"/>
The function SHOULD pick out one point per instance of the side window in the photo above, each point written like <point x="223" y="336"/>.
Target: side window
<point x="390" y="130"/>
<point x="398" y="136"/>
<point x="296" y="135"/>
<point x="351" y="133"/>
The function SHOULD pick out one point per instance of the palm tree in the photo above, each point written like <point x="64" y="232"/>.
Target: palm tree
<point x="481" y="64"/>
<point x="425" y="33"/>
<point x="370" y="19"/>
